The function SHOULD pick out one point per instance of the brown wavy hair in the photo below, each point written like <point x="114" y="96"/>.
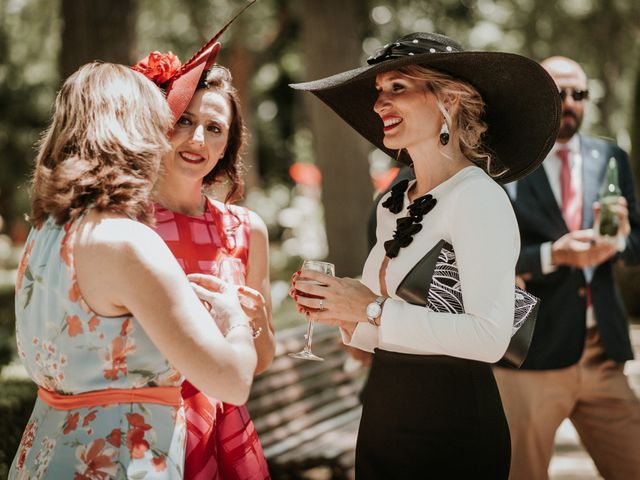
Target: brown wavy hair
<point x="230" y="166"/>
<point x="468" y="122"/>
<point x="103" y="147"/>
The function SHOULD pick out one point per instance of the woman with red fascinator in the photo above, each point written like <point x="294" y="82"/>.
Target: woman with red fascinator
<point x="216" y="243"/>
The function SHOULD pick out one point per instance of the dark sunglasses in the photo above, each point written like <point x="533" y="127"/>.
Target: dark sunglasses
<point x="577" y="95"/>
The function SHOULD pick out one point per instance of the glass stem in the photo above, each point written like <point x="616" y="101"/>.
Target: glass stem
<point x="307" y="343"/>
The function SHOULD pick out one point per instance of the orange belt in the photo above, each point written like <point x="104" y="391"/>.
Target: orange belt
<point x="161" y="395"/>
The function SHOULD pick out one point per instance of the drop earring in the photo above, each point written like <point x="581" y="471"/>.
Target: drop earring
<point x="444" y="133"/>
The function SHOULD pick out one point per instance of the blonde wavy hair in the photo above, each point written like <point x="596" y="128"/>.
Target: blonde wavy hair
<point x="467" y="122"/>
<point x="103" y="147"/>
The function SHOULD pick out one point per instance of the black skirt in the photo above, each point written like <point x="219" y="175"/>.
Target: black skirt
<point x="431" y="417"/>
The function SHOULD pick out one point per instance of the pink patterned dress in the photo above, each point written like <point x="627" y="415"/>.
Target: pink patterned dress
<point x="222" y="443"/>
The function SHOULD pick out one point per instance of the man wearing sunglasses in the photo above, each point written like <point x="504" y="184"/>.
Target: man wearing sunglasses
<point x="574" y="368"/>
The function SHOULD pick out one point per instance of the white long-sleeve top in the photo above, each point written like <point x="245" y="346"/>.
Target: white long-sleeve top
<point x="474" y="214"/>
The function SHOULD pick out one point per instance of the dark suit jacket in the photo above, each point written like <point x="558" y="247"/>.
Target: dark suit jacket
<point x="560" y="329"/>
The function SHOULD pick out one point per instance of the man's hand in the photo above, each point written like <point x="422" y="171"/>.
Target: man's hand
<point x="581" y="249"/>
<point x="621" y="209"/>
<point x="521" y="280"/>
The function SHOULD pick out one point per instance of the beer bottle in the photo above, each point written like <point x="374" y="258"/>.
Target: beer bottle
<point x="609" y="196"/>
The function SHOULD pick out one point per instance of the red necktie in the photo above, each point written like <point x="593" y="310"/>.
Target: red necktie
<point x="571" y="200"/>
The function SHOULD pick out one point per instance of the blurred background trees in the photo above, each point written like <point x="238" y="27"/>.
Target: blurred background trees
<point x="277" y="42"/>
<point x="90" y="30"/>
<point x="308" y="175"/>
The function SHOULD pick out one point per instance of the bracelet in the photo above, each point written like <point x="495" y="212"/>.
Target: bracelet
<point x="255" y="332"/>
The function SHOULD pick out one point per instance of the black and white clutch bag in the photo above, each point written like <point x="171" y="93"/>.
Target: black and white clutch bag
<point x="434" y="282"/>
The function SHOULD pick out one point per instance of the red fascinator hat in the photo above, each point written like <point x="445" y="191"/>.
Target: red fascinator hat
<point x="180" y="81"/>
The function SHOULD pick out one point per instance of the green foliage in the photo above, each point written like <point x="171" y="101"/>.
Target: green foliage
<point x="28" y="79"/>
<point x="7" y="325"/>
<point x="16" y="404"/>
<point x="602" y="34"/>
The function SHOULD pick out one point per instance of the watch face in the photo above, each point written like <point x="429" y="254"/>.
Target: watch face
<point x="373" y="310"/>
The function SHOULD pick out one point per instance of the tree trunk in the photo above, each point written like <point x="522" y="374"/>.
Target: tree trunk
<point x="97" y="30"/>
<point x="331" y="44"/>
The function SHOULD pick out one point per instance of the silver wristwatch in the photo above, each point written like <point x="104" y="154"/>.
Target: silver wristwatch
<point x="374" y="310"/>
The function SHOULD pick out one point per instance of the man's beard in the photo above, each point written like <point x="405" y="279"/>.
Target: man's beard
<point x="567" y="129"/>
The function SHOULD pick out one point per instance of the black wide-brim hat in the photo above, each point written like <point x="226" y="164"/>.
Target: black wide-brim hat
<point x="522" y="101"/>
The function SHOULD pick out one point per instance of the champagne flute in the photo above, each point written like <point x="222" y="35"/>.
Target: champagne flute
<point x="315" y="266"/>
<point x="230" y="270"/>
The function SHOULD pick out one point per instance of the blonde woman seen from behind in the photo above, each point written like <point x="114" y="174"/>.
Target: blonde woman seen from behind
<point x="106" y="321"/>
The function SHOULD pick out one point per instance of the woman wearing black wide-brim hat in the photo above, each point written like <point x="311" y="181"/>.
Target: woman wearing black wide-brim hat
<point x="466" y="121"/>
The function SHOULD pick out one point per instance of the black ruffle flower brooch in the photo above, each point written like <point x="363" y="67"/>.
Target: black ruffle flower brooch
<point x="406" y="227"/>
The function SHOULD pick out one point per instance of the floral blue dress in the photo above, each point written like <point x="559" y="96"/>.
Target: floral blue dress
<point x="68" y="349"/>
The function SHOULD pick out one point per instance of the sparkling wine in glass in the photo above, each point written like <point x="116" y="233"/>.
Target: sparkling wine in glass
<point x="315" y="266"/>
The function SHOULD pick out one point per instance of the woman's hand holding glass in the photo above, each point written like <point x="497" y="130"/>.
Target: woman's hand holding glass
<point x="331" y="300"/>
<point x="223" y="298"/>
<point x="327" y="269"/>
<point x="255" y="307"/>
